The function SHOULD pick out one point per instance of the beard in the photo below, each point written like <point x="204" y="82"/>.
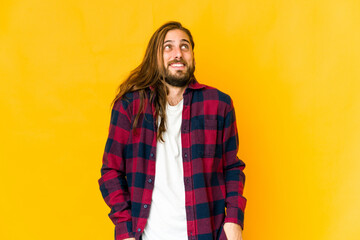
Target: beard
<point x="179" y="78"/>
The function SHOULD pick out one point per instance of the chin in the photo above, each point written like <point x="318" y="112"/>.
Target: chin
<point x="177" y="82"/>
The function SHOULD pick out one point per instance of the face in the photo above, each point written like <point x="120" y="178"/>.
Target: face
<point x="178" y="58"/>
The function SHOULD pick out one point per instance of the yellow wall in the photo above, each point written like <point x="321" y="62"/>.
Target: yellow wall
<point x="291" y="66"/>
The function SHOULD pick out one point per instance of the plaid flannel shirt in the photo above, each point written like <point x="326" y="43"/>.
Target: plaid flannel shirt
<point x="213" y="174"/>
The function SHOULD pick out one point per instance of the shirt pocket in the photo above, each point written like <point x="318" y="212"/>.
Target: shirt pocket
<point x="210" y="137"/>
<point x="206" y="138"/>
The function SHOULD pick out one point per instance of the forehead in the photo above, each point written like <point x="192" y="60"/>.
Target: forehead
<point x="176" y="35"/>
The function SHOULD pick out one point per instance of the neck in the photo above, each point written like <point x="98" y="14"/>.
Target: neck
<point x="175" y="94"/>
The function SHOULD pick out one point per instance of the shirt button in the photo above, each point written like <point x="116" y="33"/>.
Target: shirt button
<point x="151" y="154"/>
<point x="139" y="229"/>
<point x="185" y="155"/>
<point x="150" y="180"/>
<point x="145" y="206"/>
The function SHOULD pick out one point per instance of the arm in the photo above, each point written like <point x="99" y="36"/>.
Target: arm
<point x="113" y="184"/>
<point x="233" y="231"/>
<point x="233" y="171"/>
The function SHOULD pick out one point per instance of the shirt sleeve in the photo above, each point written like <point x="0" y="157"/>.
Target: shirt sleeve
<point x="113" y="183"/>
<point x="233" y="170"/>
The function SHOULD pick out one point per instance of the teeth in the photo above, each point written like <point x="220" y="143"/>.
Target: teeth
<point x="177" y="65"/>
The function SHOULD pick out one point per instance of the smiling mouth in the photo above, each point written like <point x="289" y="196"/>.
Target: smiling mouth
<point x="177" y="65"/>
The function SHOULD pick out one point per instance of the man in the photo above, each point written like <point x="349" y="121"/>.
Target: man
<point x="170" y="167"/>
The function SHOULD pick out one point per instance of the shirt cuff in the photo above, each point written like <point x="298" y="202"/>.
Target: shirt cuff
<point x="123" y="230"/>
<point x="235" y="215"/>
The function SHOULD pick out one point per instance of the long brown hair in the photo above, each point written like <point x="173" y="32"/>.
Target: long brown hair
<point x="150" y="73"/>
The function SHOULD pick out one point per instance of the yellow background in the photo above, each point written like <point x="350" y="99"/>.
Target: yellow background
<point x="291" y="67"/>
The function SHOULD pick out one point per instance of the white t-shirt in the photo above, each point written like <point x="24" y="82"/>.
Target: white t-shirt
<point x="167" y="217"/>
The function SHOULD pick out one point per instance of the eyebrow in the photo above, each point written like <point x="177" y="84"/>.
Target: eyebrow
<point x="182" y="40"/>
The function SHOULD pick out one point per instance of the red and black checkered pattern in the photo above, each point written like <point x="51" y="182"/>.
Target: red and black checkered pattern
<point x="213" y="174"/>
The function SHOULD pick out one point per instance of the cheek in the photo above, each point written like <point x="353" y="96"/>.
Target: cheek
<point x="189" y="58"/>
<point x="191" y="61"/>
<point x="165" y="59"/>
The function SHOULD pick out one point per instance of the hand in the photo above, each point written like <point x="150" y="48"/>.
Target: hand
<point x="233" y="231"/>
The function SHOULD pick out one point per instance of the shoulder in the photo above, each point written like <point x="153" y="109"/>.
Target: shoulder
<point x="212" y="93"/>
<point x="127" y="100"/>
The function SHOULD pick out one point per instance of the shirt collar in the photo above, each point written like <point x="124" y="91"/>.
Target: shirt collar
<point x="194" y="84"/>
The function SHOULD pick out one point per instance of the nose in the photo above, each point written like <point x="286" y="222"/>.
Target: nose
<point x="177" y="53"/>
